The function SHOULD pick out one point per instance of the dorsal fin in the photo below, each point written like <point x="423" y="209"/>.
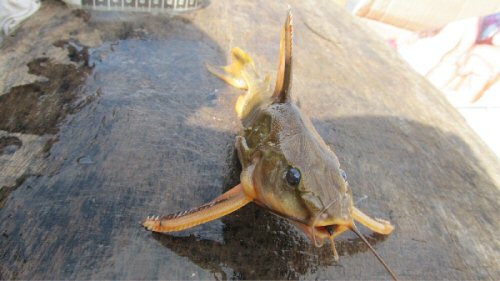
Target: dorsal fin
<point x="284" y="76"/>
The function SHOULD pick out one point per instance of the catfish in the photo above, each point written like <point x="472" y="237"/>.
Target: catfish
<point x="287" y="167"/>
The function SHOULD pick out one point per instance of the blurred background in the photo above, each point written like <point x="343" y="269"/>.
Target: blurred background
<point x="454" y="44"/>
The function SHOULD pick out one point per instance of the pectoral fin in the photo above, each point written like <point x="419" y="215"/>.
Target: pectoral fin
<point x="230" y="193"/>
<point x="225" y="204"/>
<point x="375" y="225"/>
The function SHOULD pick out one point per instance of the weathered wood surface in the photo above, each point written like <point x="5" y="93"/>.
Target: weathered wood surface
<point x="107" y="118"/>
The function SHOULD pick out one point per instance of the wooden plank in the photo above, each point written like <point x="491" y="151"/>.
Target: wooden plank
<point x="118" y="118"/>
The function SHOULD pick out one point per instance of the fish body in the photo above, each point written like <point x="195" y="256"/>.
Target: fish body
<point x="287" y="167"/>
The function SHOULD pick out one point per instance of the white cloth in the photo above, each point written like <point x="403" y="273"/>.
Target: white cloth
<point x="13" y="12"/>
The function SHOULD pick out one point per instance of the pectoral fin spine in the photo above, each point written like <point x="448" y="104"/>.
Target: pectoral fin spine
<point x="202" y="214"/>
<point x="378" y="226"/>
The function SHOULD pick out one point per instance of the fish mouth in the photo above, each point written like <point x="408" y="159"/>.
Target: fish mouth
<point x="318" y="233"/>
<point x="323" y="232"/>
<point x="331" y="229"/>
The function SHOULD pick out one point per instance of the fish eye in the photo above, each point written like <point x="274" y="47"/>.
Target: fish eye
<point x="293" y="176"/>
<point x="344" y="174"/>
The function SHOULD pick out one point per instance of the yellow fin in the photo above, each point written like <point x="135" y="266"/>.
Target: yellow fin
<point x="375" y="225"/>
<point x="239" y="73"/>
<point x="284" y="75"/>
<point x="225" y="204"/>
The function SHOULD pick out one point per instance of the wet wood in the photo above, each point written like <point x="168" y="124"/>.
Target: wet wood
<point x="106" y="118"/>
